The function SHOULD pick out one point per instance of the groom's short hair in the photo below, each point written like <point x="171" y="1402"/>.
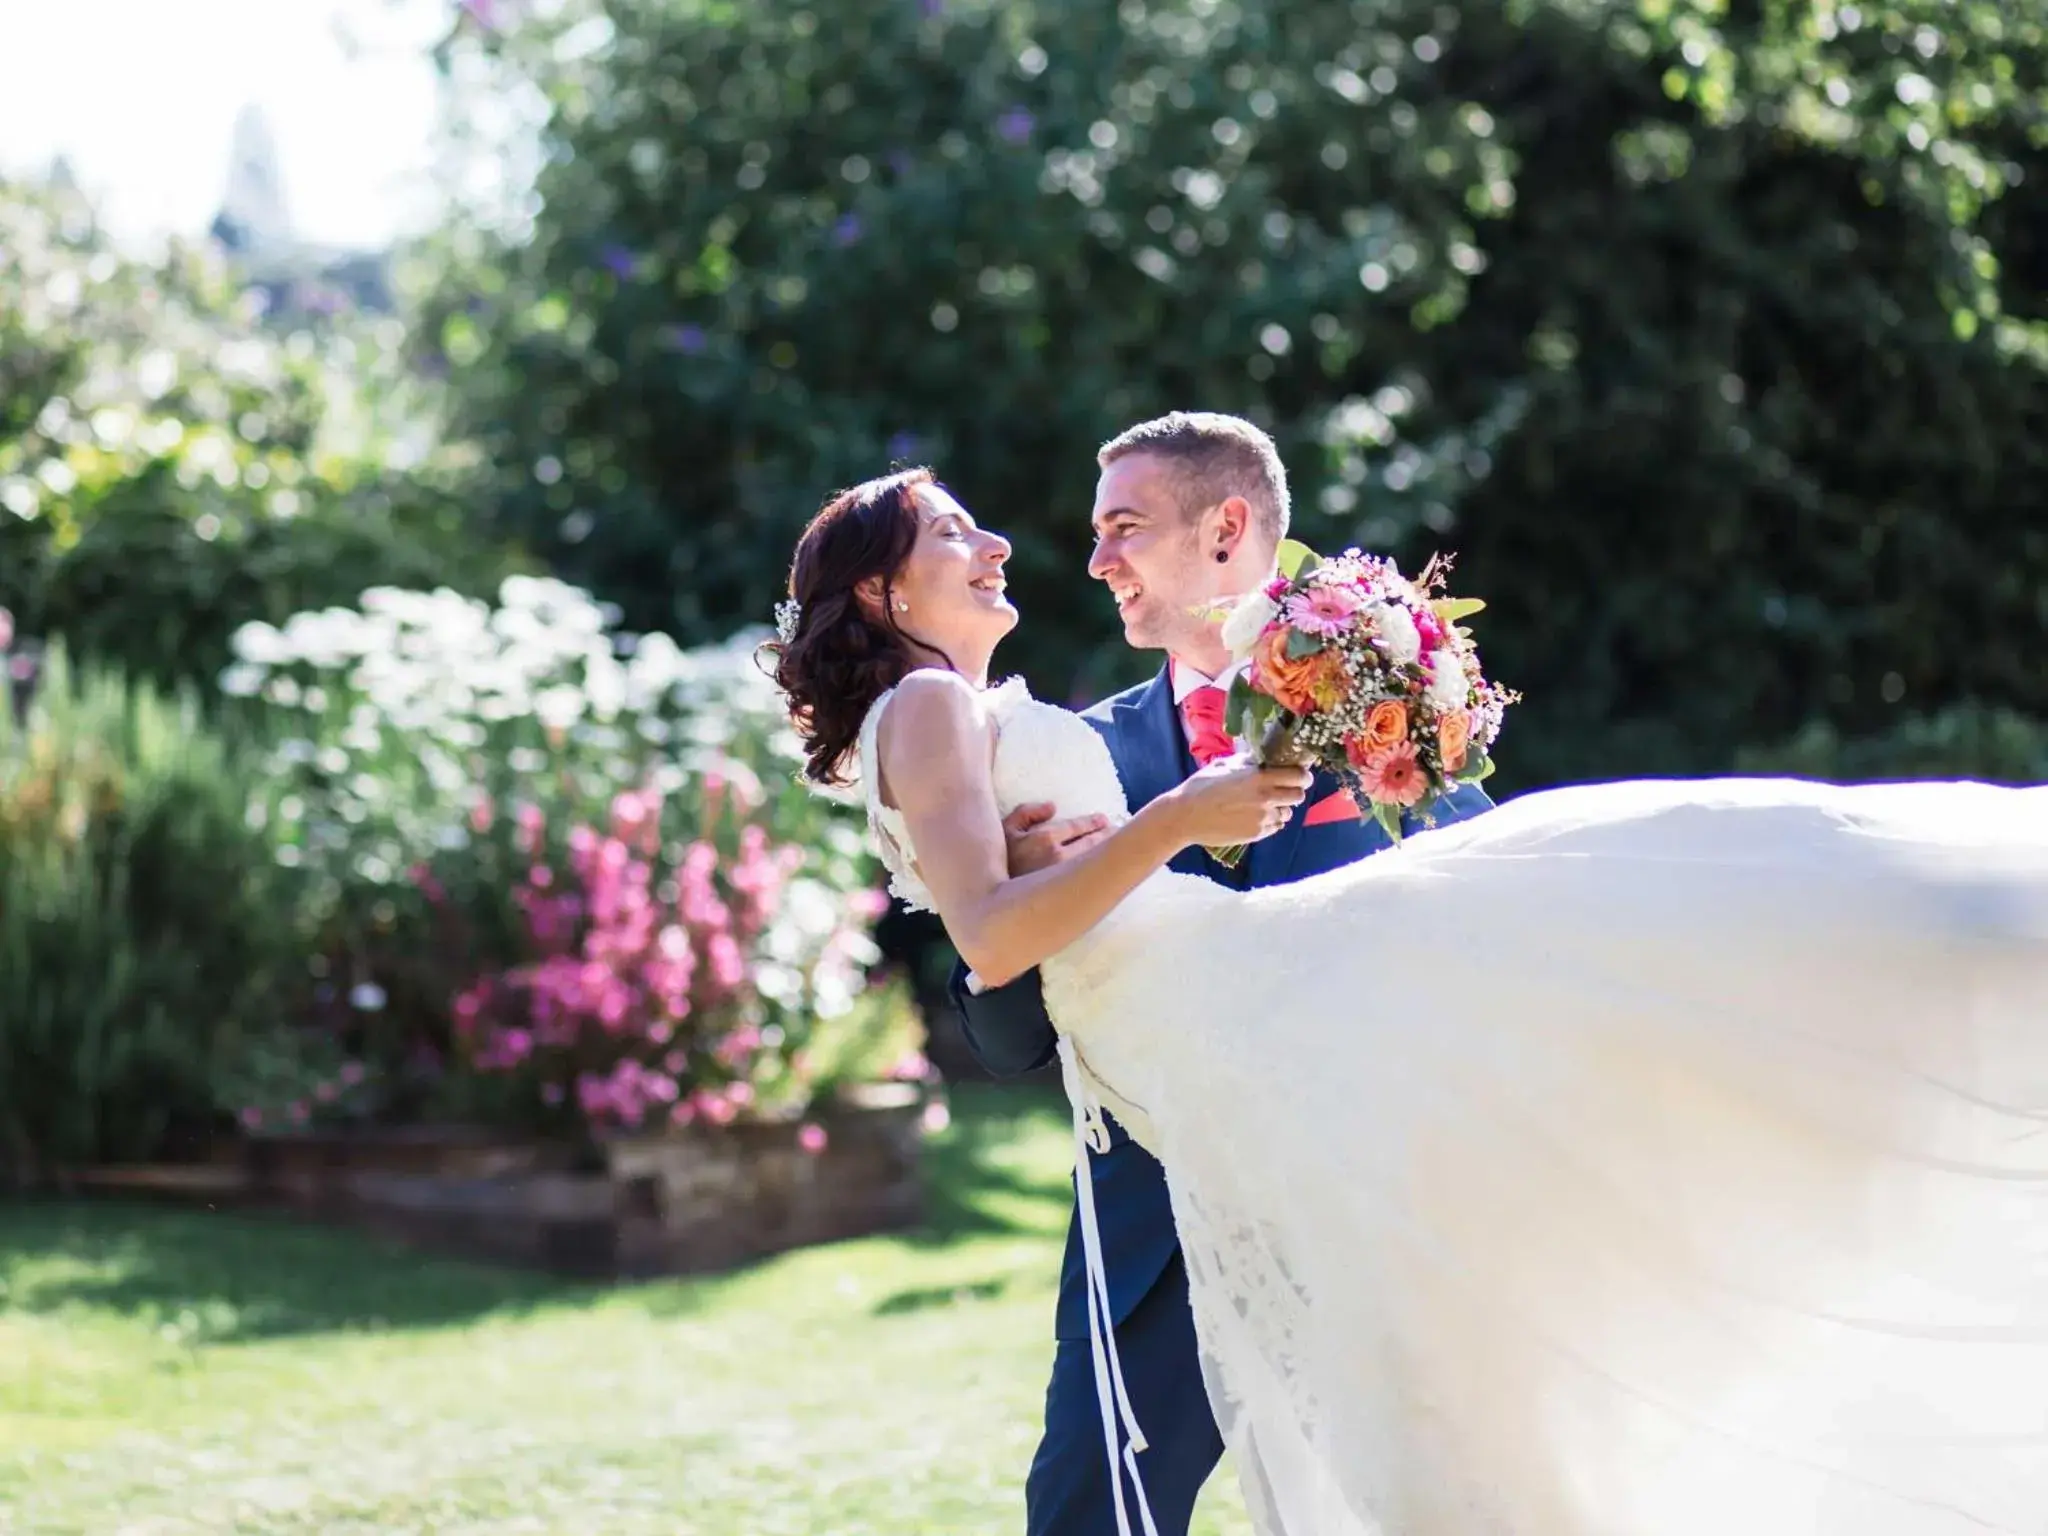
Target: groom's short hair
<point x="1212" y="457"/>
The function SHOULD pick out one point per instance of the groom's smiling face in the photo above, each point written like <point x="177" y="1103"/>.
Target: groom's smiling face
<point x="1154" y="555"/>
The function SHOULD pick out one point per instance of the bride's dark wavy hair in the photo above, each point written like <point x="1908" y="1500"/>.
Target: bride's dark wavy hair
<point x="840" y="659"/>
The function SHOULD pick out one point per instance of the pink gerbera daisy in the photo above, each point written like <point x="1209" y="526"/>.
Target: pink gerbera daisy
<point x="1394" y="776"/>
<point x="1323" y="610"/>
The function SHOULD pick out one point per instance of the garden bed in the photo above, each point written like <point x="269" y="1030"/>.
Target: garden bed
<point x="676" y="1202"/>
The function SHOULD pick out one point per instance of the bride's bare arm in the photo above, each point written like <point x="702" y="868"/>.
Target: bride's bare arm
<point x="936" y="748"/>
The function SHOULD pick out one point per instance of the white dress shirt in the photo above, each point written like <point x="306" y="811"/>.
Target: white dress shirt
<point x="1186" y="679"/>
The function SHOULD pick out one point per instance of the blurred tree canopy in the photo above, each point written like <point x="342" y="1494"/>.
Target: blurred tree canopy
<point x="1705" y="331"/>
<point x="171" y="466"/>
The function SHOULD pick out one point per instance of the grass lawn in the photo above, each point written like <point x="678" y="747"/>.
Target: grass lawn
<point x="165" y="1371"/>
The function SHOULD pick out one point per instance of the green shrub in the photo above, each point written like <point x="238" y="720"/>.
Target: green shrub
<point x="560" y="876"/>
<point x="144" y="923"/>
<point x="158" y="576"/>
<point x="1966" y="741"/>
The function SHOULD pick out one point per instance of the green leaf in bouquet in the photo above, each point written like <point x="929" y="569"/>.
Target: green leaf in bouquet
<point x="1301" y="644"/>
<point x="1260" y="720"/>
<point x="1477" y="767"/>
<point x="1452" y="609"/>
<point x="1389" y="818"/>
<point x="1245" y="707"/>
<point x="1297" y="559"/>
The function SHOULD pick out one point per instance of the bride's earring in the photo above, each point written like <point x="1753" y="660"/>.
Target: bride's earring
<point x="902" y="606"/>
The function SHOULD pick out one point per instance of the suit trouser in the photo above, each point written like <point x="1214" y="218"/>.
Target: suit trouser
<point x="1068" y="1490"/>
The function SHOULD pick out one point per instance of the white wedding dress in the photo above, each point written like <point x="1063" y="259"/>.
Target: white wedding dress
<point x="1645" y="1159"/>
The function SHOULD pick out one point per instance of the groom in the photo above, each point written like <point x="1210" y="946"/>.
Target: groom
<point x="1190" y="508"/>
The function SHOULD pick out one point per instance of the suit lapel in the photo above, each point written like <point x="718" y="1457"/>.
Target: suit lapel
<point x="1151" y="753"/>
<point x="1152" y="756"/>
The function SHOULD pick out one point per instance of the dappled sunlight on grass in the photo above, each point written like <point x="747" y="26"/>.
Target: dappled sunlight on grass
<point x="179" y="1373"/>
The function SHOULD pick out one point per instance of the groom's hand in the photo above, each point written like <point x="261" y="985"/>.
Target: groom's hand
<point x="1038" y="842"/>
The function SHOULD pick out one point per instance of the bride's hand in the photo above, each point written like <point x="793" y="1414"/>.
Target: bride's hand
<point x="1231" y="802"/>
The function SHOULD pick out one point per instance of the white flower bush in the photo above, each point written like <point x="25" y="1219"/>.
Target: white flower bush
<point x="413" y="709"/>
<point x="447" y="769"/>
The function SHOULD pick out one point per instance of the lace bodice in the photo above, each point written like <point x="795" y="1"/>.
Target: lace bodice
<point x="1042" y="753"/>
<point x="1046" y="755"/>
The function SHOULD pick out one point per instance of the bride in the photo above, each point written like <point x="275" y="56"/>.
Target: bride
<point x="1642" y="1159"/>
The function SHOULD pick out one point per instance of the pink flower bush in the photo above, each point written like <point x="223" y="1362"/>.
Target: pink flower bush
<point x="574" y="892"/>
<point x="531" y="824"/>
<point x="289" y="1082"/>
<point x="641" y="1002"/>
<point x="424" y="881"/>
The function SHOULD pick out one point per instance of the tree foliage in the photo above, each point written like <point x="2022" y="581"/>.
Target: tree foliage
<point x="1708" y="334"/>
<point x="171" y="466"/>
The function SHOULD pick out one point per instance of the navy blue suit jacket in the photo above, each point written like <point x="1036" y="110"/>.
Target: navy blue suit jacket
<point x="1009" y="1031"/>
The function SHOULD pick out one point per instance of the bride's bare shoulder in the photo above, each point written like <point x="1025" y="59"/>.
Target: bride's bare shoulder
<point x="935" y="694"/>
<point x="931" y="707"/>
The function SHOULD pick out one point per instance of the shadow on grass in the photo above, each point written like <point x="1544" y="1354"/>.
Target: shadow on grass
<point x="219" y="1277"/>
<point x="977" y="1185"/>
<point x="931" y="1298"/>
<point x="1005" y="1169"/>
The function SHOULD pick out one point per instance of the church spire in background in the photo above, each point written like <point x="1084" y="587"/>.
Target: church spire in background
<point x="253" y="215"/>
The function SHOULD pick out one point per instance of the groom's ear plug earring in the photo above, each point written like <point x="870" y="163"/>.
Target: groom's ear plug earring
<point x="1223" y="557"/>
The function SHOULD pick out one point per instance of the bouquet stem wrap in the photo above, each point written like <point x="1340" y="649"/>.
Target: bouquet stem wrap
<point x="1275" y="748"/>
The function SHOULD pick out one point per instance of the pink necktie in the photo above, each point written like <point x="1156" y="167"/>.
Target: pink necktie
<point x="1201" y="712"/>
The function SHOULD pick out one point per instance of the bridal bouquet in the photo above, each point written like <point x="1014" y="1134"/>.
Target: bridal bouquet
<point x="1359" y="671"/>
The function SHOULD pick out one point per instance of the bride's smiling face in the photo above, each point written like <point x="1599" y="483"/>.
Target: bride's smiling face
<point x="950" y="594"/>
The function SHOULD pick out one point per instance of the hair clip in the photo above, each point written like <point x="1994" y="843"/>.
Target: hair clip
<point x="788" y="614"/>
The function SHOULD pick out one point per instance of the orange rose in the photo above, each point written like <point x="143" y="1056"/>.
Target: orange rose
<point x="1453" y="736"/>
<point x="1295" y="681"/>
<point x="1386" y="725"/>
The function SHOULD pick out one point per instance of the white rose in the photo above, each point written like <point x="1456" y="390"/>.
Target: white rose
<point x="1248" y="620"/>
<point x="1399" y="640"/>
<point x="1448" y="685"/>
